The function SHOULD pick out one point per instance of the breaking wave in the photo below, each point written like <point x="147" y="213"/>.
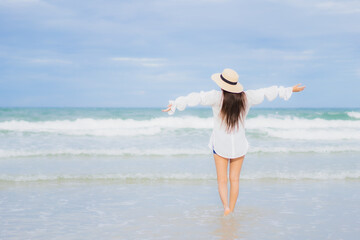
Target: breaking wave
<point x="280" y="127"/>
<point x="354" y="114"/>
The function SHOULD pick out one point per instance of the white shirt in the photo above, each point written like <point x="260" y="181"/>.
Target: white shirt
<point x="234" y="144"/>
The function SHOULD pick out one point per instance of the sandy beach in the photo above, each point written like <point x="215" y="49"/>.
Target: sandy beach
<point x="179" y="210"/>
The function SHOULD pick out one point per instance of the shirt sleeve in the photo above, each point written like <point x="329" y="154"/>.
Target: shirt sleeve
<point x="255" y="97"/>
<point x="203" y="98"/>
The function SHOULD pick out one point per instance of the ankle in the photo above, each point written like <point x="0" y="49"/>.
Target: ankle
<point x="226" y="211"/>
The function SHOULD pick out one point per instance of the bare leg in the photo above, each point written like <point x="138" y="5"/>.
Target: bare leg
<point x="221" y="171"/>
<point x="234" y="175"/>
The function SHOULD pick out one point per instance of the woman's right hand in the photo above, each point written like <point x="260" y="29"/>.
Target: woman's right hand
<point x="297" y="88"/>
<point x="168" y="109"/>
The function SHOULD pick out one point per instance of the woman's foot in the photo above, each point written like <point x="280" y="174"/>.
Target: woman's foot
<point x="227" y="211"/>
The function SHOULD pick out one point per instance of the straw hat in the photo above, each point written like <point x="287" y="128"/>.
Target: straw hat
<point x="228" y="80"/>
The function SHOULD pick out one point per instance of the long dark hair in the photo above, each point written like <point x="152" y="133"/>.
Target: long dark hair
<point x="233" y="109"/>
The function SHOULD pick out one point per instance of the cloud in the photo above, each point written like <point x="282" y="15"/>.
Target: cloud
<point x="298" y="56"/>
<point x="110" y="42"/>
<point x="17" y="2"/>
<point x="139" y="92"/>
<point x="345" y="7"/>
<point x="357" y="72"/>
<point x="266" y="54"/>
<point x="331" y="7"/>
<point x="146" y="62"/>
<point x="49" y="61"/>
<point x="25" y="5"/>
<point x="200" y="1"/>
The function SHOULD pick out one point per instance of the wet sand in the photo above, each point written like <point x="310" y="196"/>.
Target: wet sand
<point x="175" y="209"/>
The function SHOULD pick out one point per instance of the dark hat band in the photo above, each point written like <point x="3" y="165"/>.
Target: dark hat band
<point x="227" y="81"/>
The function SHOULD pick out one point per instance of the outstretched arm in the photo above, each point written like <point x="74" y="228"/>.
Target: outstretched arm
<point x="255" y="97"/>
<point x="168" y="108"/>
<point x="203" y="98"/>
<point x="298" y="88"/>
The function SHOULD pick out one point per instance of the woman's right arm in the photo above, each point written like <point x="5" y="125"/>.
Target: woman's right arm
<point x="255" y="97"/>
<point x="203" y="98"/>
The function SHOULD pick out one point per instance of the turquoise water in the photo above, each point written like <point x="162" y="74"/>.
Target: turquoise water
<point x="48" y="114"/>
<point x="132" y="173"/>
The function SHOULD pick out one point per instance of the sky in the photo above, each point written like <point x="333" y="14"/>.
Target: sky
<point x="142" y="53"/>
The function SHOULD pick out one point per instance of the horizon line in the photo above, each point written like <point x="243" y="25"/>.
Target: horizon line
<point x="196" y="107"/>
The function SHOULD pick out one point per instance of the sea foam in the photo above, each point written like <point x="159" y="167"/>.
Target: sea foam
<point x="164" y="152"/>
<point x="354" y="114"/>
<point x="314" y="175"/>
<point x="107" y="127"/>
<point x="280" y="127"/>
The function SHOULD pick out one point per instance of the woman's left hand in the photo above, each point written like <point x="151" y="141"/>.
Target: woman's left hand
<point x="168" y="109"/>
<point x="298" y="88"/>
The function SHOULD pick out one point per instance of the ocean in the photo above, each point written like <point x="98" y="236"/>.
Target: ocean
<point x="137" y="173"/>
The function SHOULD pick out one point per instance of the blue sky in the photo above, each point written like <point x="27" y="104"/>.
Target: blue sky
<point x="143" y="53"/>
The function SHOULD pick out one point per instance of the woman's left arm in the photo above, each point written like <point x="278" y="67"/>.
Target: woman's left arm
<point x="203" y="98"/>
<point x="257" y="96"/>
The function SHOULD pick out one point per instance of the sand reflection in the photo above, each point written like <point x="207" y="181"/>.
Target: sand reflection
<point x="237" y="225"/>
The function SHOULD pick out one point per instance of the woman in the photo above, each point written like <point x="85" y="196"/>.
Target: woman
<point x="228" y="142"/>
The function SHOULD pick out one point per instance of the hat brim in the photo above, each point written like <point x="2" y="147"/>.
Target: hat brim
<point x="227" y="87"/>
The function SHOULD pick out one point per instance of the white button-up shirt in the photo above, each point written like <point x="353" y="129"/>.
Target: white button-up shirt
<point x="233" y="144"/>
